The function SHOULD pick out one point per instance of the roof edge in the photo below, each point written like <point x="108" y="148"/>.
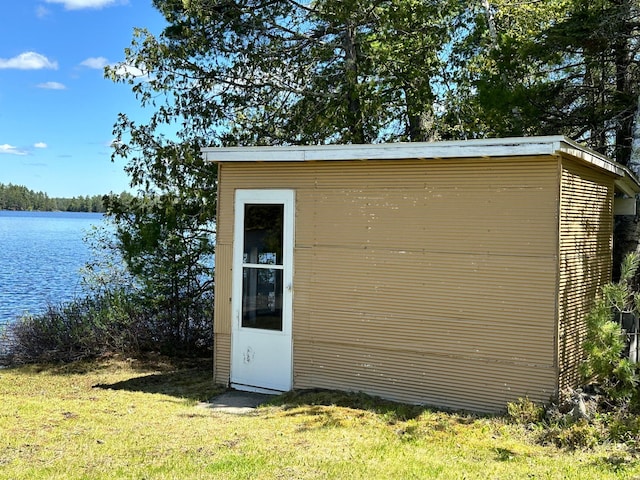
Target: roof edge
<point x="494" y="147"/>
<point x="477" y="148"/>
<point x="626" y="182"/>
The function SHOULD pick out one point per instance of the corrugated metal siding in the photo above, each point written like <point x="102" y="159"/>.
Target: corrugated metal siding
<point x="221" y="358"/>
<point x="223" y="284"/>
<point x="586" y="236"/>
<point x="441" y="273"/>
<point x="417" y="377"/>
<point x="469" y="305"/>
<point x="224" y="258"/>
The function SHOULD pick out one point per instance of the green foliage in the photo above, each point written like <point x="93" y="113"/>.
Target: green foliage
<point x="622" y="427"/>
<point x="605" y="342"/>
<point x="167" y="245"/>
<point x="117" y="314"/>
<point x="282" y="72"/>
<point x="83" y="328"/>
<point x="574" y="436"/>
<point x="618" y="426"/>
<point x="630" y="265"/>
<point x="106" y="269"/>
<point x="605" y="410"/>
<point x="115" y="321"/>
<point x="525" y="412"/>
<point x="558" y="66"/>
<point x="16" y="197"/>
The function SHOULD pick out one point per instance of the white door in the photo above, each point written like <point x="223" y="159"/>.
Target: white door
<point x="261" y="355"/>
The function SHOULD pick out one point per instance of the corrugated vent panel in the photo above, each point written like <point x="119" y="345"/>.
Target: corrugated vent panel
<point x="221" y="358"/>
<point x="224" y="257"/>
<point x="224" y="199"/>
<point x="222" y="314"/>
<point x="585" y="258"/>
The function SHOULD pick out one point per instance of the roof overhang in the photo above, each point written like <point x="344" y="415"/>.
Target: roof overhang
<point x="626" y="181"/>
<point x="484" y="148"/>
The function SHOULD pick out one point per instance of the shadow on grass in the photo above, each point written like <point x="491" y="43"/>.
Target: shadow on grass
<point x="618" y="462"/>
<point x="147" y="363"/>
<point x="391" y="411"/>
<point x="192" y="381"/>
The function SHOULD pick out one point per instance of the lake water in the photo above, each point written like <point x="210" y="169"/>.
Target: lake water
<point x="41" y="254"/>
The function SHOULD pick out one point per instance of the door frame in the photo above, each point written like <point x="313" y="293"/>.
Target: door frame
<point x="281" y="341"/>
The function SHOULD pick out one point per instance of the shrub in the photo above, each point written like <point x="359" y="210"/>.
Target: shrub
<point x="605" y="363"/>
<point x="607" y="413"/>
<point x="83" y="328"/>
<point x="112" y="321"/>
<point x="576" y="435"/>
<point x="525" y="412"/>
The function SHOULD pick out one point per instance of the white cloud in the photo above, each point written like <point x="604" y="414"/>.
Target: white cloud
<point x="81" y="4"/>
<point x="28" y="61"/>
<point x="52" y="86"/>
<point x="42" y="11"/>
<point x="95" y="62"/>
<point x="40" y="145"/>
<point x="11" y="150"/>
<point x="129" y="71"/>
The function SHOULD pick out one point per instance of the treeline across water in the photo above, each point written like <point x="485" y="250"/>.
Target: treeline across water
<point x="18" y="197"/>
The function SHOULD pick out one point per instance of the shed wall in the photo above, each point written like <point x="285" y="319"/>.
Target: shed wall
<point x="586" y="242"/>
<point x="422" y="281"/>
<point x="222" y="293"/>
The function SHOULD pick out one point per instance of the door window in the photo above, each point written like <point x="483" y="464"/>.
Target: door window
<point x="262" y="267"/>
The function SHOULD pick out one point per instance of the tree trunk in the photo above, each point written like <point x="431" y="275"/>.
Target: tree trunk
<point x="627" y="149"/>
<point x="354" y="107"/>
<point x="627" y="227"/>
<point x="420" y="118"/>
<point x="634" y="158"/>
<point x="491" y="23"/>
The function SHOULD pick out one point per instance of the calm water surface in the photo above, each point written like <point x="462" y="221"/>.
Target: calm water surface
<point x="41" y="254"/>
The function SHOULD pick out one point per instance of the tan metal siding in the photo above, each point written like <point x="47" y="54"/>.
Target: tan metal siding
<point x="468" y="305"/>
<point x="223" y="284"/>
<point x="586" y="236"/>
<point x="443" y="273"/>
<point x="221" y="358"/>
<point x="415" y="377"/>
<point x="224" y="222"/>
<point x="224" y="255"/>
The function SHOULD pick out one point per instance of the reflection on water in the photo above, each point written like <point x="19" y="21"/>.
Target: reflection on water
<point x="41" y="254"/>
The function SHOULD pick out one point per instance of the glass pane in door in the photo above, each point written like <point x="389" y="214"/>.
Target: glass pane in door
<point x="262" y="266"/>
<point x="263" y="234"/>
<point x="262" y="298"/>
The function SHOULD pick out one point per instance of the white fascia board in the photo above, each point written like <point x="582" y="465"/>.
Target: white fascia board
<point x="626" y="182"/>
<point x="573" y="149"/>
<point x="481" y="148"/>
<point x="499" y="147"/>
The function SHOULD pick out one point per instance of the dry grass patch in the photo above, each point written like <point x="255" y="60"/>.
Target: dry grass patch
<point x="127" y="419"/>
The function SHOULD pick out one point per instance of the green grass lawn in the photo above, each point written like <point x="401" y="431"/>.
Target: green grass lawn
<point x="145" y="420"/>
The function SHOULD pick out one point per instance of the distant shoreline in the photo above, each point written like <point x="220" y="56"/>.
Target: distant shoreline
<point x="19" y="198"/>
<point x="48" y="211"/>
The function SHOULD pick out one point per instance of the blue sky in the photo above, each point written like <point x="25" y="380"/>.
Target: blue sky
<point x="56" y="108"/>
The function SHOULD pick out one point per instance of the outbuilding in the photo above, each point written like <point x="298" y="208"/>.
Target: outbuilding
<point x="454" y="274"/>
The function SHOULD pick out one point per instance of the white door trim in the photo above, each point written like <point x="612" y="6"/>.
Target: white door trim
<point x="262" y="360"/>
